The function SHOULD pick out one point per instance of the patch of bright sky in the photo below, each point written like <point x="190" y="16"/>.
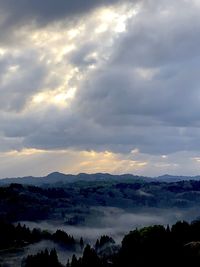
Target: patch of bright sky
<point x="108" y="162"/>
<point x="69" y="161"/>
<point x="111" y="17"/>
<point x="56" y="43"/>
<point x="2" y="51"/>
<point x="25" y="152"/>
<point x="58" y="97"/>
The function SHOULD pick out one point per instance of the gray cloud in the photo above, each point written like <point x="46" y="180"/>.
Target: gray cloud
<point x="29" y="13"/>
<point x="149" y="91"/>
<point x="167" y="46"/>
<point x="21" y="76"/>
<point x="144" y="92"/>
<point x="48" y="11"/>
<point x="82" y="57"/>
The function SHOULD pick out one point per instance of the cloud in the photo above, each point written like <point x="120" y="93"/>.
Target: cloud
<point x="149" y="90"/>
<point x="147" y="72"/>
<point x="34" y="13"/>
<point x="22" y="75"/>
<point x="51" y="10"/>
<point x="25" y="162"/>
<point x="101" y="76"/>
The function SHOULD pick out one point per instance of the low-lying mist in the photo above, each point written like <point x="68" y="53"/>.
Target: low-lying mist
<point x="14" y="257"/>
<point x="111" y="221"/>
<point x="117" y="222"/>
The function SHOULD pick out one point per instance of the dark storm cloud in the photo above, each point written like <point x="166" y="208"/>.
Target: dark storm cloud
<point x="26" y="12"/>
<point x="46" y="11"/>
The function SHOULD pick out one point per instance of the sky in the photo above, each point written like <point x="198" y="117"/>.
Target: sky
<point x="99" y="86"/>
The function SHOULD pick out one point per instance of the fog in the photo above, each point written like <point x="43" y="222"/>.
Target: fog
<point x="117" y="222"/>
<point x="111" y="221"/>
<point x="14" y="257"/>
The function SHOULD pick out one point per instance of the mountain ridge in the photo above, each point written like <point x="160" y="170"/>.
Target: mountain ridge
<point x="58" y="177"/>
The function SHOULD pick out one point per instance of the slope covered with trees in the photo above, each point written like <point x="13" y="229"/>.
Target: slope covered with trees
<point x="178" y="245"/>
<point x="22" y="202"/>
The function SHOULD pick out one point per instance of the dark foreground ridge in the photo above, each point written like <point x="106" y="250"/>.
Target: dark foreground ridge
<point x="158" y="245"/>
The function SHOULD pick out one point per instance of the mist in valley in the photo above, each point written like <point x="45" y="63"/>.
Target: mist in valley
<point x="111" y="221"/>
<point x="14" y="257"/>
<point x="116" y="222"/>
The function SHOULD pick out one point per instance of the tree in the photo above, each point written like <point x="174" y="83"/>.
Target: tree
<point x="74" y="262"/>
<point x="90" y="258"/>
<point x="81" y="243"/>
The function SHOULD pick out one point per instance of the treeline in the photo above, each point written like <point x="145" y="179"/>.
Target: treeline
<point x="43" y="258"/>
<point x="161" y="246"/>
<point x="19" y="236"/>
<point x="20" y="203"/>
<point x="178" y="245"/>
<point x="103" y="241"/>
<point x="50" y="259"/>
<point x="30" y="203"/>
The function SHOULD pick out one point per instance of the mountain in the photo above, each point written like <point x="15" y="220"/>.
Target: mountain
<point x="57" y="178"/>
<point x="60" y="178"/>
<point x="173" y="178"/>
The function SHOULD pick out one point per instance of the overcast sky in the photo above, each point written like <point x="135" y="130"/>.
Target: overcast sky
<point x="99" y="86"/>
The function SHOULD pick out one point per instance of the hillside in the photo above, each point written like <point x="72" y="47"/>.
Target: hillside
<point x="57" y="178"/>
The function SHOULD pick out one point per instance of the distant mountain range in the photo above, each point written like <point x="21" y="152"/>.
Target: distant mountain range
<point x="57" y="177"/>
<point x="173" y="178"/>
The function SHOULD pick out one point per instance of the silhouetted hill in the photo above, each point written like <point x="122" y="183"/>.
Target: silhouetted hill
<point x="61" y="178"/>
<point x="172" y="178"/>
<point x="57" y="177"/>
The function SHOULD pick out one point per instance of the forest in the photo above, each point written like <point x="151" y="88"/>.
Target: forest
<point x="157" y="245"/>
<point x="60" y="200"/>
<point x="119" y="223"/>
